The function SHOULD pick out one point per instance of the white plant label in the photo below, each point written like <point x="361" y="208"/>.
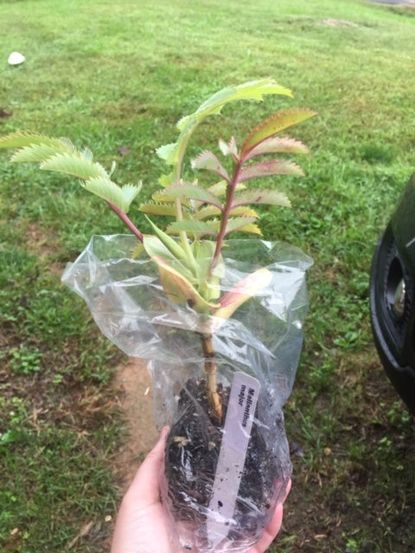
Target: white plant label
<point x="236" y="434"/>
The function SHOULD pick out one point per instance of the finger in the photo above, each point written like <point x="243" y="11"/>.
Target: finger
<point x="271" y="531"/>
<point x="274" y="526"/>
<point x="288" y="489"/>
<point x="145" y="488"/>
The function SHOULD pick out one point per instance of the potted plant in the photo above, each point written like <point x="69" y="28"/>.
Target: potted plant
<point x="219" y="320"/>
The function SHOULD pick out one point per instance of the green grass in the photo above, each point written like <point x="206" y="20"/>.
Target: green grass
<point x="112" y="74"/>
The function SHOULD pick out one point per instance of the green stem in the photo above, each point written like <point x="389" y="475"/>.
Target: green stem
<point x="179" y="210"/>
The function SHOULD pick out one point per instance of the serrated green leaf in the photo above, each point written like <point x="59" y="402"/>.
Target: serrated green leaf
<point x="212" y="211"/>
<point x="187" y="191"/>
<point x="253" y="90"/>
<point x="269" y="168"/>
<point x="244" y="212"/>
<point x="75" y="165"/>
<point x="88" y="155"/>
<point x="219" y="189"/>
<point x="159" y="209"/>
<point x="164" y="152"/>
<point x="23" y="139"/>
<point x="166" y="180"/>
<point x="199" y="228"/>
<point x="252" y="229"/>
<point x="206" y="212"/>
<point x="237" y="223"/>
<point x="211" y="228"/>
<point x="270" y="197"/>
<point x="272" y="125"/>
<point x="111" y="192"/>
<point x="130" y="192"/>
<point x="61" y="156"/>
<point x="37" y="153"/>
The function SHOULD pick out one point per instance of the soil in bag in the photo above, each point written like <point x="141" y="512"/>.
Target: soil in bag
<point x="192" y="453"/>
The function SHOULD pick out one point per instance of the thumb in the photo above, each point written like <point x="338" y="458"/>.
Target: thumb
<point x="145" y="488"/>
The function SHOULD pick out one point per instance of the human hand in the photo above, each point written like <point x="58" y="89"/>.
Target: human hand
<point x="272" y="529"/>
<point x="142" y="525"/>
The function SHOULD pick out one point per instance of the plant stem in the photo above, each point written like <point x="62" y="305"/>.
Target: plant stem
<point x="214" y="398"/>
<point x="230" y="193"/>
<point x="127" y="221"/>
<point x="207" y="343"/>
<point x="183" y="237"/>
<point x="179" y="211"/>
<point x="211" y="371"/>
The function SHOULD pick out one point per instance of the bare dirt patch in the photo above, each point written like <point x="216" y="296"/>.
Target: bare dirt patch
<point x="38" y="240"/>
<point x="133" y="386"/>
<point x="45" y="244"/>
<point x="339" y="23"/>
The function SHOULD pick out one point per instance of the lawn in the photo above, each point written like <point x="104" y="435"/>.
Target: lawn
<point x="118" y="74"/>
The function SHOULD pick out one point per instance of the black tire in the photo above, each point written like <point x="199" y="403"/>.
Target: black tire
<point x="391" y="328"/>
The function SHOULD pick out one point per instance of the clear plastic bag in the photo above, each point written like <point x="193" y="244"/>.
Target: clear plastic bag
<point x="262" y="339"/>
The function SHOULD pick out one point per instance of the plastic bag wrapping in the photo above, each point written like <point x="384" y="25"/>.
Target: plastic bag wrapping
<point x="262" y="340"/>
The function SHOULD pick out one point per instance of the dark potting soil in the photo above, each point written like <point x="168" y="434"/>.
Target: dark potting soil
<point x="192" y="454"/>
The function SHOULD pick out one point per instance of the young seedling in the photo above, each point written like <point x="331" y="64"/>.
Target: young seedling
<point x="189" y="252"/>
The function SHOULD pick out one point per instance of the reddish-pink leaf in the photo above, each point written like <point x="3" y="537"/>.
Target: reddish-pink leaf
<point x="229" y="148"/>
<point x="276" y="123"/>
<point x="269" y="168"/>
<point x="276" y="144"/>
<point x="270" y="197"/>
<point x="245" y="289"/>
<point x="238" y="223"/>
<point x="208" y="161"/>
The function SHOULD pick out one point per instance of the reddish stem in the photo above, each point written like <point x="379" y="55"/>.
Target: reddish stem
<point x="127" y="221"/>
<point x="230" y="194"/>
